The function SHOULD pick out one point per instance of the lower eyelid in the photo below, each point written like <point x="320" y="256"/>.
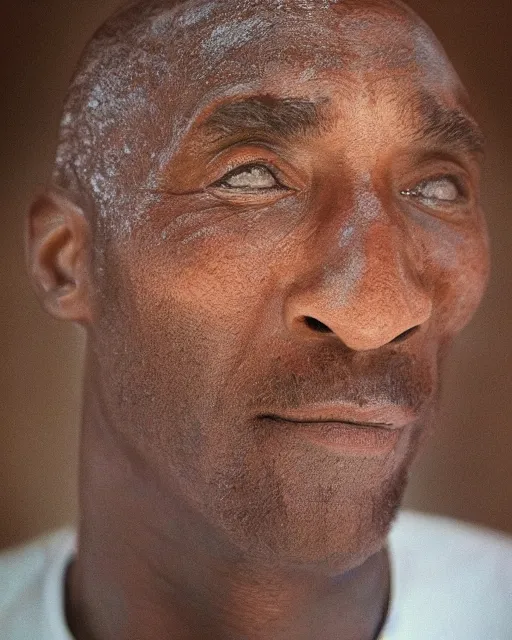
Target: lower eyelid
<point x="226" y="187"/>
<point x="262" y="198"/>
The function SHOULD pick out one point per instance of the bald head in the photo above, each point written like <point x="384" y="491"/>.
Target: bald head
<point x="151" y="67"/>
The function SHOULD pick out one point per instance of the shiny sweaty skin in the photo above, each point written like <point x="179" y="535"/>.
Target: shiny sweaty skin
<point x="259" y="210"/>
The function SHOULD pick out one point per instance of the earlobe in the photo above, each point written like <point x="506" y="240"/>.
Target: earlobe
<point x="57" y="241"/>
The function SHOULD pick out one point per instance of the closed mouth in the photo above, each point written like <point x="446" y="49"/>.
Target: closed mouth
<point x="379" y="416"/>
<point x="345" y="428"/>
<point x="320" y="420"/>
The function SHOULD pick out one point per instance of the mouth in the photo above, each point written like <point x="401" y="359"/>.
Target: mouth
<point x="347" y="429"/>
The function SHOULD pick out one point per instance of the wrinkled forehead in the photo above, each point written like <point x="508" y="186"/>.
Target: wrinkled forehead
<point x="216" y="44"/>
<point x="211" y="51"/>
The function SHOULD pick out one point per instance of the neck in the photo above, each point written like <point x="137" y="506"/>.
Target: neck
<point x="148" y="567"/>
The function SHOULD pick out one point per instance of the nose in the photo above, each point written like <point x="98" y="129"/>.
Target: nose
<point x="368" y="294"/>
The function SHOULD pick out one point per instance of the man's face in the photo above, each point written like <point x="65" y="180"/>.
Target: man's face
<point x="314" y="242"/>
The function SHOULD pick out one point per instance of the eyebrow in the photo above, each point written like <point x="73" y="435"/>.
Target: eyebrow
<point x="287" y="118"/>
<point x="282" y="117"/>
<point x="448" y="127"/>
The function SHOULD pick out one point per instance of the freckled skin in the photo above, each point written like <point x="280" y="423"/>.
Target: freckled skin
<point x="206" y="308"/>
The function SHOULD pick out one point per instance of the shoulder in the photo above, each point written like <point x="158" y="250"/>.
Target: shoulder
<point x="437" y="537"/>
<point x="451" y="577"/>
<point x="31" y="586"/>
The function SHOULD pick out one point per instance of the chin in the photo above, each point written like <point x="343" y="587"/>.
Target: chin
<point x="321" y="527"/>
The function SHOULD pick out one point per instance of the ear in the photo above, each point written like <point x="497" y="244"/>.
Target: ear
<point x="58" y="244"/>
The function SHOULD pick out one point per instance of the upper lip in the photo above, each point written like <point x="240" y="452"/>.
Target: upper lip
<point x="375" y="415"/>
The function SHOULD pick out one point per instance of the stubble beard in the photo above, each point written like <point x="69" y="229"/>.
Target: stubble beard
<point x="306" y="509"/>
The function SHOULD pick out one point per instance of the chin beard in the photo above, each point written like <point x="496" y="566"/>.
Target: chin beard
<point x="327" y="525"/>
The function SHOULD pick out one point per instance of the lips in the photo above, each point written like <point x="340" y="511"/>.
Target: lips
<point x="346" y="428"/>
<point x="379" y="416"/>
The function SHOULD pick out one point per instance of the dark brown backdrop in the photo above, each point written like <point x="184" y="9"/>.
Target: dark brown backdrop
<point x="467" y="471"/>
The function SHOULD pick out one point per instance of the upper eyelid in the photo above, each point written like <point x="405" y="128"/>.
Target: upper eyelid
<point x="255" y="147"/>
<point x="444" y="176"/>
<point x="254" y="152"/>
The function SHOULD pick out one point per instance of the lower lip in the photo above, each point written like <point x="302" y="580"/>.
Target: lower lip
<point x="344" y="437"/>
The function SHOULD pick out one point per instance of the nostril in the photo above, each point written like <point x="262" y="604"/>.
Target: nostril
<point x="316" y="325"/>
<point x="406" y="334"/>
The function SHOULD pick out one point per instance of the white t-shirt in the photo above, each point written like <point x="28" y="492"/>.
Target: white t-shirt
<point x="451" y="581"/>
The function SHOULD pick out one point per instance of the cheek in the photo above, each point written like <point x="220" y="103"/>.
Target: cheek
<point x="219" y="263"/>
<point x="200" y="305"/>
<point x="192" y="316"/>
<point x="458" y="270"/>
<point x="217" y="288"/>
<point x="174" y="338"/>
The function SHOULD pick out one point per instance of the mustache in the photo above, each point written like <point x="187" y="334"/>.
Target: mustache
<point x="397" y="379"/>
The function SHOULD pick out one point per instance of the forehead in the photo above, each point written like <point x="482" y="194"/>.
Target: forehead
<point x="211" y="39"/>
<point x="306" y="48"/>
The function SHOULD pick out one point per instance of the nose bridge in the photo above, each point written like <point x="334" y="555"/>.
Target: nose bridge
<point x="388" y="297"/>
<point x="372" y="289"/>
<point x="390" y="271"/>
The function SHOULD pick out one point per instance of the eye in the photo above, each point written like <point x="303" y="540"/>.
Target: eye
<point x="445" y="189"/>
<point x="255" y="177"/>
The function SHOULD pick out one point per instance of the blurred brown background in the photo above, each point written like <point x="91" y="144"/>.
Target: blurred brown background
<point x="467" y="470"/>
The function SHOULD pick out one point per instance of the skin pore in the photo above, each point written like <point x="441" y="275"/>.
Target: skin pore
<point x="258" y="211"/>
